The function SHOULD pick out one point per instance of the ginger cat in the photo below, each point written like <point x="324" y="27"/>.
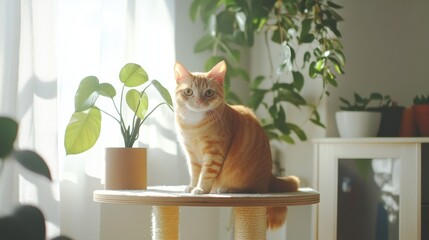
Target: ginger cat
<point x="227" y="150"/>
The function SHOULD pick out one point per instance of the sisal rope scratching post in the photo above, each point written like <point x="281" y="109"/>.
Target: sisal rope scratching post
<point x="165" y="223"/>
<point x="250" y="223"/>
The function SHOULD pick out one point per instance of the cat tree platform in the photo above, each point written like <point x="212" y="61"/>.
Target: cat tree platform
<point x="249" y="209"/>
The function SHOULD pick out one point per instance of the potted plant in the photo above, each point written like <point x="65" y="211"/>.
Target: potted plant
<point x="391" y="116"/>
<point x="357" y="119"/>
<point x="26" y="221"/>
<point x="126" y="166"/>
<point x="421" y="114"/>
<point x="290" y="25"/>
<point x="408" y="123"/>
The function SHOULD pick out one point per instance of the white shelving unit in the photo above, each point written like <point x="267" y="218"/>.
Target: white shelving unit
<point x="394" y="169"/>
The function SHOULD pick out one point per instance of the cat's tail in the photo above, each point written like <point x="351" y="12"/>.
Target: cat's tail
<point x="276" y="216"/>
<point x="284" y="184"/>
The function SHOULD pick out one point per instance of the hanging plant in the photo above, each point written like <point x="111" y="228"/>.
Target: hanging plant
<point x="232" y="25"/>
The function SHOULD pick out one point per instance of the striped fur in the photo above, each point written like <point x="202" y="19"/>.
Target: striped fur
<point x="226" y="148"/>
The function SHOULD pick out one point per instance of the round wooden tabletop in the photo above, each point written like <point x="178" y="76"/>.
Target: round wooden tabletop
<point x="175" y="196"/>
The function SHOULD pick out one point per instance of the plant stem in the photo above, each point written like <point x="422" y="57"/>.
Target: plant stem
<point x="120" y="104"/>
<point x="270" y="58"/>
<point x="215" y="45"/>
<point x="2" y="165"/>
<point x="135" y="117"/>
<point x="147" y="115"/>
<point x="108" y="114"/>
<point x="116" y="107"/>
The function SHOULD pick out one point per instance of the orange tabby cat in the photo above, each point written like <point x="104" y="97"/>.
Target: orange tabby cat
<point x="226" y="149"/>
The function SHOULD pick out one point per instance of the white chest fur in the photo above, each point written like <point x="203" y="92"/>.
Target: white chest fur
<point x="192" y="118"/>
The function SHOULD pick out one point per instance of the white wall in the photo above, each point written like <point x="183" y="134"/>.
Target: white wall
<point x="386" y="47"/>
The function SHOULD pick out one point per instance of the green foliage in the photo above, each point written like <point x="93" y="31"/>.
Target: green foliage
<point x="421" y="99"/>
<point x="82" y="131"/>
<point x="8" y="132"/>
<point x="364" y="103"/>
<point x="232" y="25"/>
<point x="28" y="159"/>
<point x="84" y="127"/>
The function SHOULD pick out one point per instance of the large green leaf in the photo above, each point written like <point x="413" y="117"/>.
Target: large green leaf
<point x="255" y="83"/>
<point x="107" y="90"/>
<point x="256" y="98"/>
<point x="320" y="64"/>
<point x="241" y="73"/>
<point x="287" y="138"/>
<point x="306" y="36"/>
<point x="193" y="11"/>
<point x="133" y="75"/>
<point x="298" y="131"/>
<point x="225" y="22"/>
<point x="82" y="131"/>
<point x="86" y="94"/>
<point x="231" y="97"/>
<point x="8" y="132"/>
<point x="337" y="65"/>
<point x="164" y="93"/>
<point x="205" y="43"/>
<point x="316" y="117"/>
<point x="138" y="103"/>
<point x="334" y="5"/>
<point x="33" y="162"/>
<point x="298" y="80"/>
<point x="291" y="97"/>
<point x="312" y="72"/>
<point x="212" y="61"/>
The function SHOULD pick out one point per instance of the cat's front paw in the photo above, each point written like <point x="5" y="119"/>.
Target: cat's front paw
<point x="198" y="191"/>
<point x="188" y="189"/>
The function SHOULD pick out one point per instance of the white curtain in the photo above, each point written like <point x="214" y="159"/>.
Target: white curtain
<point x="98" y="37"/>
<point x="28" y="93"/>
<point x="46" y="48"/>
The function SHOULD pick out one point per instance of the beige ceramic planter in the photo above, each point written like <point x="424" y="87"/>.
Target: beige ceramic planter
<point x="126" y="168"/>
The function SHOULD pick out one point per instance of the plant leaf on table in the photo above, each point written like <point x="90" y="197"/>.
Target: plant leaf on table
<point x="87" y="94"/>
<point x="82" y="131"/>
<point x="132" y="75"/>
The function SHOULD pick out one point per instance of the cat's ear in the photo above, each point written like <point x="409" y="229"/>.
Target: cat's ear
<point x="218" y="72"/>
<point x="180" y="72"/>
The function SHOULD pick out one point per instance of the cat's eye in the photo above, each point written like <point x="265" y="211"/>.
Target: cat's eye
<point x="188" y="92"/>
<point x="209" y="93"/>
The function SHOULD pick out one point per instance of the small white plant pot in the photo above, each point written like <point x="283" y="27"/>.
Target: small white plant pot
<point x="356" y="124"/>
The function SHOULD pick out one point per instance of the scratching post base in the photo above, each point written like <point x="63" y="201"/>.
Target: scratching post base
<point x="250" y="223"/>
<point x="165" y="223"/>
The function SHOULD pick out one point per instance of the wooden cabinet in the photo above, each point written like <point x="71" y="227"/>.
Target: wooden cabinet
<point x="372" y="188"/>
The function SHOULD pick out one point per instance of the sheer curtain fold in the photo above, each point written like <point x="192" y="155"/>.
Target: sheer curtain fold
<point x="46" y="48"/>
<point x="29" y="95"/>
<point x="98" y="38"/>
